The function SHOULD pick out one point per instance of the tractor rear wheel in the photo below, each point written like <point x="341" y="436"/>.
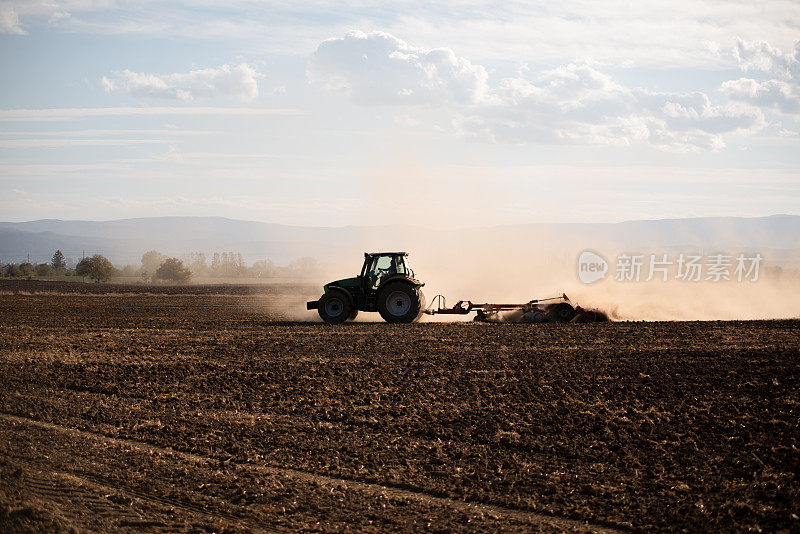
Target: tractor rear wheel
<point x="563" y="312"/>
<point x="400" y="302"/>
<point x="334" y="307"/>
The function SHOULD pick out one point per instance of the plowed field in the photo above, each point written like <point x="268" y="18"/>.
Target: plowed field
<point x="211" y="412"/>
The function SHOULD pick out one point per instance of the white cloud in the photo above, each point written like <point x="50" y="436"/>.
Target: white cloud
<point x="779" y="93"/>
<point x="759" y="55"/>
<point x="578" y="104"/>
<point x="86" y="132"/>
<point x="647" y="32"/>
<point x="239" y="82"/>
<point x="9" y="21"/>
<point x="174" y="154"/>
<point x="694" y="111"/>
<point x="60" y="114"/>
<point x="574" y="103"/>
<point x="378" y="68"/>
<point x="49" y="169"/>
<point x="62" y="143"/>
<point x="570" y="103"/>
<point x="618" y="32"/>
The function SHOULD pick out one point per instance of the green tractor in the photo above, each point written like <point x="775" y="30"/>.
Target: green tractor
<point x="386" y="285"/>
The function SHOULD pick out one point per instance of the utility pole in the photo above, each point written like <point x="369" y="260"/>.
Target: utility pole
<point x="83" y="257"/>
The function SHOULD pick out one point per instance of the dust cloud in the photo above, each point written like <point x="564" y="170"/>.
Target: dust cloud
<point x="473" y="264"/>
<point x="768" y="298"/>
<point x="455" y="249"/>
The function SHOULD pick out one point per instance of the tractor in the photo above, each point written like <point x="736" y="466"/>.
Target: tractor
<point x="386" y="285"/>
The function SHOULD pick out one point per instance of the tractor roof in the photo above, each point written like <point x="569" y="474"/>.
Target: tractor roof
<point x="386" y="254"/>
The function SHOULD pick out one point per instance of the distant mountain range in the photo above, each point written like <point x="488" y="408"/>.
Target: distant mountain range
<point x="125" y="240"/>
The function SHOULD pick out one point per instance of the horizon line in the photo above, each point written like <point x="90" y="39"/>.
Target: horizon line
<point x="714" y="217"/>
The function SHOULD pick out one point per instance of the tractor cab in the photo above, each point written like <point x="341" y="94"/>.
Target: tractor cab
<point x="380" y="266"/>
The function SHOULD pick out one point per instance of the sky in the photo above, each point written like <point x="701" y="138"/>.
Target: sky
<point x="367" y="113"/>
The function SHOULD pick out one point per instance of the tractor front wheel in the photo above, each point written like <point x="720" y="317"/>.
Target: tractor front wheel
<point x="334" y="307"/>
<point x="400" y="302"/>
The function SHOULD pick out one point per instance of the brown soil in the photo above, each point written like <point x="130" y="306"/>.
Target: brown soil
<point x="167" y="412"/>
<point x="17" y="286"/>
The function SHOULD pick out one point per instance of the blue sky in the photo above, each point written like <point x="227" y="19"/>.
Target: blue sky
<point x="330" y="114"/>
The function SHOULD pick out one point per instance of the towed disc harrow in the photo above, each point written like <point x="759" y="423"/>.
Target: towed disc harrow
<point x="554" y="309"/>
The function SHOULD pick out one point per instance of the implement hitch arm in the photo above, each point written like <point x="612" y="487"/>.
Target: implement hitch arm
<point x="464" y="307"/>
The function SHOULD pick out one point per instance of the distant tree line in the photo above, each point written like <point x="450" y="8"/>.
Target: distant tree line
<point x="222" y="265"/>
<point x="157" y="267"/>
<point x="57" y="267"/>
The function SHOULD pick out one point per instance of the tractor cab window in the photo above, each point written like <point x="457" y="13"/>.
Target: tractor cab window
<point x="399" y="263"/>
<point x="381" y="268"/>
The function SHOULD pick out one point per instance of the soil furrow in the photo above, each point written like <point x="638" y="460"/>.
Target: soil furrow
<point x="344" y="484"/>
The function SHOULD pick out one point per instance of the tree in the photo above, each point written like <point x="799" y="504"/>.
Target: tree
<point x="173" y="270"/>
<point x="58" y="262"/>
<point x="43" y="270"/>
<point x="129" y="271"/>
<point x="84" y="267"/>
<point x="12" y="271"/>
<point x="97" y="267"/>
<point x="227" y="264"/>
<point x="151" y="261"/>
<point x="195" y="262"/>
<point x="263" y="268"/>
<point x="26" y="269"/>
<point x="305" y="267"/>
